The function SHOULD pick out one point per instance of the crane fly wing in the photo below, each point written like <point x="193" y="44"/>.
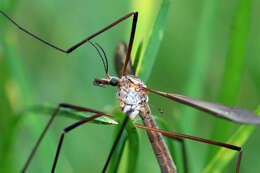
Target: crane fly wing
<point x="120" y="57"/>
<point x="227" y="112"/>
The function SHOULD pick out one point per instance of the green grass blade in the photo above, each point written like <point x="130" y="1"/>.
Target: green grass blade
<point x="133" y="147"/>
<point x="200" y="59"/>
<point x="224" y="156"/>
<point x="234" y="67"/>
<point x="9" y="120"/>
<point x="18" y="76"/>
<point x="118" y="153"/>
<point x="144" y="68"/>
<point x="137" y="56"/>
<point x="126" y="158"/>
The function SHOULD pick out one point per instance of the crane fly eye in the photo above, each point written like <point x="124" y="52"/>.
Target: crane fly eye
<point x="114" y="81"/>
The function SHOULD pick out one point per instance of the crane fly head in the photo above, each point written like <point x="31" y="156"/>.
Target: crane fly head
<point x="120" y="56"/>
<point x="112" y="80"/>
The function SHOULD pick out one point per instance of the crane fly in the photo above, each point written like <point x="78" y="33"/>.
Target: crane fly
<point x="133" y="95"/>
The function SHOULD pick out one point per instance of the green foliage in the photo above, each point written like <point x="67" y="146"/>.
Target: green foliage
<point x="138" y="56"/>
<point x="200" y="59"/>
<point x="224" y="156"/>
<point x="197" y="39"/>
<point x="234" y="66"/>
<point x="66" y="112"/>
<point x="144" y="68"/>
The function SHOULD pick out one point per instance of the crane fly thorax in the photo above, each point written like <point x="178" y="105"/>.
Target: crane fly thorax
<point x="133" y="98"/>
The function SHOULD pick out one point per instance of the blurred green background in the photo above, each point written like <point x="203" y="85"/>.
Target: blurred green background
<point x="191" y="61"/>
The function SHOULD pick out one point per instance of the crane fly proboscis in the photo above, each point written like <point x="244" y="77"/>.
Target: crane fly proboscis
<point x="133" y="96"/>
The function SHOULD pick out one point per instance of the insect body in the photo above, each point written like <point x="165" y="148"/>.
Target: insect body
<point x="134" y="101"/>
<point x="133" y="98"/>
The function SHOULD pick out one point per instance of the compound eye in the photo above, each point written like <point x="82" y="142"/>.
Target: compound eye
<point x="114" y="81"/>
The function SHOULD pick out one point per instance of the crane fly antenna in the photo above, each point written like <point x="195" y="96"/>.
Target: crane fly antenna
<point x="105" y="56"/>
<point x="104" y="62"/>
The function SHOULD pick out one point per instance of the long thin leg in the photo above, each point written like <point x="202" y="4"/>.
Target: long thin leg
<point x="83" y="41"/>
<point x="130" y="45"/>
<point x="174" y="135"/>
<point x="184" y="153"/>
<point x="78" y="108"/>
<point x="68" y="129"/>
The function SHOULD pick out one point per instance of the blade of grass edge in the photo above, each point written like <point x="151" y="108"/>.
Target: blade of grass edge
<point x="234" y="66"/>
<point x="198" y="73"/>
<point x="126" y="156"/>
<point x="66" y="112"/>
<point x="26" y="98"/>
<point x="144" y="68"/>
<point x="224" y="156"/>
<point x="137" y="56"/>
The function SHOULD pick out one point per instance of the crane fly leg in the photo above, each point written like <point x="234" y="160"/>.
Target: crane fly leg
<point x="67" y="51"/>
<point x="193" y="138"/>
<point x="77" y="108"/>
<point x="68" y="129"/>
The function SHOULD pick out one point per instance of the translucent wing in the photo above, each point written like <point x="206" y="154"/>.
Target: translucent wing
<point x="227" y="112"/>
<point x="119" y="60"/>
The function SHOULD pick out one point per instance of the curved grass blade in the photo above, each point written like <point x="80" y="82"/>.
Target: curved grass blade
<point x="138" y="56"/>
<point x="144" y="68"/>
<point x="133" y="147"/>
<point x="17" y="78"/>
<point x="201" y="56"/>
<point x="224" y="156"/>
<point x="118" y="153"/>
<point x="49" y="109"/>
<point x="234" y="67"/>
<point x="126" y="158"/>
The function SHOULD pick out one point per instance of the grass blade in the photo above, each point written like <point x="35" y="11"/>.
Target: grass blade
<point x="18" y="75"/>
<point x="118" y="153"/>
<point x="9" y="105"/>
<point x="224" y="156"/>
<point x="234" y="67"/>
<point x="69" y="113"/>
<point x="144" y="68"/>
<point x="200" y="59"/>
<point x="137" y="56"/>
<point x="126" y="158"/>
